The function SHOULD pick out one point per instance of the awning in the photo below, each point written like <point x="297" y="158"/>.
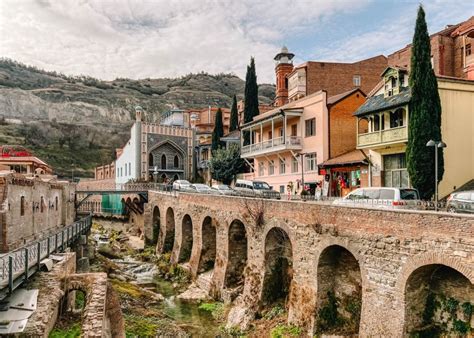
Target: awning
<point x="353" y="157"/>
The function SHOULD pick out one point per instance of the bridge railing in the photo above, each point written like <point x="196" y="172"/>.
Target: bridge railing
<point x="17" y="266"/>
<point x="132" y="187"/>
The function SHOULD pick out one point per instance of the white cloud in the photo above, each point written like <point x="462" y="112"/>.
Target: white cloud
<point x="168" y="38"/>
<point x="138" y="39"/>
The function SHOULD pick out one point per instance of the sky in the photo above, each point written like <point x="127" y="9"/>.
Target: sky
<point x="170" y="38"/>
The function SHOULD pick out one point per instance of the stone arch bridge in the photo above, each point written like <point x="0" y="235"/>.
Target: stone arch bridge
<point x="377" y="266"/>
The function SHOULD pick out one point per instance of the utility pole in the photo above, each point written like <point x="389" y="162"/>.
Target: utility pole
<point x="436" y="145"/>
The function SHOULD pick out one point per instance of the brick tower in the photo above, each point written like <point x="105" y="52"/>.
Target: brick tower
<point x="283" y="67"/>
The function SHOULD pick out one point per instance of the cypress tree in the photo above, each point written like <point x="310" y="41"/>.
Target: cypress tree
<point x="218" y="132"/>
<point x="424" y="114"/>
<point x="251" y="97"/>
<point x="234" y="116"/>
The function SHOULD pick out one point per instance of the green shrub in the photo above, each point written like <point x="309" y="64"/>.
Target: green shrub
<point x="281" y="331"/>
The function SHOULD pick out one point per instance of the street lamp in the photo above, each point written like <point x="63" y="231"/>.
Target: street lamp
<point x="436" y="145"/>
<point x="302" y="168"/>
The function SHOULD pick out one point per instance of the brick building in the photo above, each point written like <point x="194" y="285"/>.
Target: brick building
<point x="451" y="51"/>
<point x="293" y="83"/>
<point x="32" y="207"/>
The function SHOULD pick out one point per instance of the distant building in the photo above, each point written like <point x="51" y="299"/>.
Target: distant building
<point x="156" y="152"/>
<point x="451" y="51"/>
<point x="262" y="108"/>
<point x="22" y="161"/>
<point x="293" y="83"/>
<point x="175" y="117"/>
<point x="383" y="123"/>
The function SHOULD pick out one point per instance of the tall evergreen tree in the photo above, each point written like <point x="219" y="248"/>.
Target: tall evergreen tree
<point x="251" y="97"/>
<point x="234" y="115"/>
<point x="218" y="132"/>
<point x="424" y="114"/>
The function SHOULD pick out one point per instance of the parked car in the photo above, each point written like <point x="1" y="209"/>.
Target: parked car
<point x="255" y="189"/>
<point x="181" y="185"/>
<point x="382" y="198"/>
<point x="462" y="201"/>
<point x="223" y="189"/>
<point x="201" y="188"/>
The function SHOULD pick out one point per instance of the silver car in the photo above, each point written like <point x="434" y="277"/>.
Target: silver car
<point x="181" y="185"/>
<point x="201" y="188"/>
<point x="223" y="189"/>
<point x="382" y="198"/>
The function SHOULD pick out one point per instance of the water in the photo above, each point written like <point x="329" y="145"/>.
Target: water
<point x="188" y="316"/>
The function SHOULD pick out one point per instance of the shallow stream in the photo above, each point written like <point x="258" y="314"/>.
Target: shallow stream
<point x="196" y="322"/>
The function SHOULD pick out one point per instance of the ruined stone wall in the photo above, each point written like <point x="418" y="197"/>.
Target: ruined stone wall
<point x="387" y="245"/>
<point x="34" y="208"/>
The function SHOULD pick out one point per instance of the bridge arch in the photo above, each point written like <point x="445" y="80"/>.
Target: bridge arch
<point x="237" y="247"/>
<point x="156" y="225"/>
<point x="207" y="257"/>
<point x="428" y="284"/>
<point x="186" y="246"/>
<point x="339" y="291"/>
<point x="278" y="263"/>
<point x="167" y="233"/>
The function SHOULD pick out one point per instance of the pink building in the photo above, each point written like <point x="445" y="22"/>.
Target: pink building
<point x="288" y="142"/>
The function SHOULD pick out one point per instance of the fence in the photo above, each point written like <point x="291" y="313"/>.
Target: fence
<point x="17" y="266"/>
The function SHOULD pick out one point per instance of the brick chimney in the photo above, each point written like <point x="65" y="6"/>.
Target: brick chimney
<point x="283" y="67"/>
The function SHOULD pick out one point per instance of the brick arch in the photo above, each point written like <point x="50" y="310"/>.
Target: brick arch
<point x="336" y="241"/>
<point x="274" y="223"/>
<point x="231" y="262"/>
<point x="431" y="258"/>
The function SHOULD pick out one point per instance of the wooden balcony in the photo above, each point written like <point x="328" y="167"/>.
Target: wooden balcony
<point x="382" y="137"/>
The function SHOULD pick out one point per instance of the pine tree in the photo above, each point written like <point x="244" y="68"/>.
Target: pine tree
<point x="218" y="132"/>
<point x="424" y="114"/>
<point x="234" y="116"/>
<point x="251" y="97"/>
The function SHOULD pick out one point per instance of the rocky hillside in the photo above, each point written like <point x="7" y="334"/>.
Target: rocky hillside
<point x="79" y="121"/>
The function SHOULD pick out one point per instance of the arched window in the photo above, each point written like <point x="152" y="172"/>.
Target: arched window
<point x="176" y="161"/>
<point x="163" y="161"/>
<point x="56" y="203"/>
<point x="396" y="118"/>
<point x="42" y="204"/>
<point x="22" y="205"/>
<point x="150" y="160"/>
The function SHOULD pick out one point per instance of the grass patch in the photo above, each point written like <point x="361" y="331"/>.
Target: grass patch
<point x="216" y="309"/>
<point x="281" y="331"/>
<point x="72" y="332"/>
<point x="137" y="326"/>
<point x="127" y="289"/>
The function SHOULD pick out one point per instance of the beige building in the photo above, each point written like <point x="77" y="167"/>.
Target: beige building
<point x="382" y="129"/>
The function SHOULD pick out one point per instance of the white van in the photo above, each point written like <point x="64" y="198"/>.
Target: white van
<point x="382" y="198"/>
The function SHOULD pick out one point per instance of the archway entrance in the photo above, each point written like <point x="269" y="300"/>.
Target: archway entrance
<point x="339" y="298"/>
<point x="156" y="224"/>
<point x="186" y="239"/>
<point x="208" y="246"/>
<point x="169" y="231"/>
<point x="439" y="301"/>
<point x="278" y="267"/>
<point x="237" y="250"/>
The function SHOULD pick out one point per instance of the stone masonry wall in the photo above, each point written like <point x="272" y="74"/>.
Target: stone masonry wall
<point x="387" y="245"/>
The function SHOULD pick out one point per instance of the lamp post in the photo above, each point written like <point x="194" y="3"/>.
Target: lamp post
<point x="302" y="169"/>
<point x="436" y="145"/>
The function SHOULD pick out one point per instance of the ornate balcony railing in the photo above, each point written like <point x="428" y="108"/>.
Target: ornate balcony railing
<point x="399" y="134"/>
<point x="276" y="144"/>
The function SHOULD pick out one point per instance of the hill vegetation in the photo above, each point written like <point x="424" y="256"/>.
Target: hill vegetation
<point x="78" y="121"/>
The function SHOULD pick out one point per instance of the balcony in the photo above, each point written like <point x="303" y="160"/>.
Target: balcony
<point x="268" y="147"/>
<point x="297" y="91"/>
<point x="167" y="168"/>
<point x="383" y="137"/>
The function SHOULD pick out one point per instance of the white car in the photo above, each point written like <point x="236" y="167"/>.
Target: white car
<point x="223" y="189"/>
<point x="382" y="198"/>
<point x="255" y="189"/>
<point x="181" y="185"/>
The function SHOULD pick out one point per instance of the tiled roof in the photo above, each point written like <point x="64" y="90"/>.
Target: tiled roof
<point x="355" y="156"/>
<point x="379" y="102"/>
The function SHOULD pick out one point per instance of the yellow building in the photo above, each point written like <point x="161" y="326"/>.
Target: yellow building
<point x="382" y="128"/>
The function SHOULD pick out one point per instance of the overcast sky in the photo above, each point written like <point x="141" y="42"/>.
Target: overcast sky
<point x="169" y="38"/>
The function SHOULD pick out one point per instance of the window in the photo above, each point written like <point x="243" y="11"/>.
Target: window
<point x="282" y="189"/>
<point x="56" y="203"/>
<point x="396" y="118"/>
<point x="42" y="204"/>
<point x="261" y="169"/>
<point x="130" y="168"/>
<point x="150" y="160"/>
<point x="22" y="206"/>
<point x="176" y="161"/>
<point x="271" y="167"/>
<point x="356" y="80"/>
<point x="163" y="161"/>
<point x="395" y="171"/>
<point x="294" y="165"/>
<point x="468" y="49"/>
<point x="310" y="127"/>
<point x="311" y="164"/>
<point x="282" y="166"/>
<point x="270" y="135"/>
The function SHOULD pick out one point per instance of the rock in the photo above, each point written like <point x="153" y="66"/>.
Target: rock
<point x="108" y="252"/>
<point x="118" y="277"/>
<point x="193" y="294"/>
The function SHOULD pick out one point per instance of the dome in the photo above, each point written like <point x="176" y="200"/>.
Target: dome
<point x="138" y="108"/>
<point x="284" y="49"/>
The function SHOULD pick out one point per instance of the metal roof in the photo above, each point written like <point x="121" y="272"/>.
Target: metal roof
<point x="379" y="102"/>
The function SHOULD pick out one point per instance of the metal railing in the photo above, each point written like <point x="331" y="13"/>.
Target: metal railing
<point x="269" y="144"/>
<point x="18" y="265"/>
